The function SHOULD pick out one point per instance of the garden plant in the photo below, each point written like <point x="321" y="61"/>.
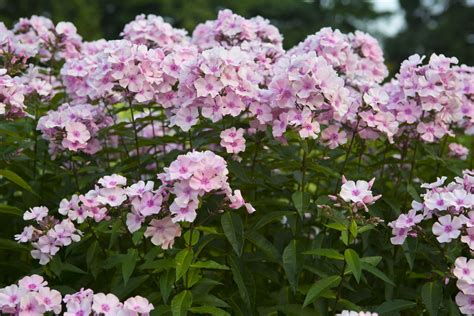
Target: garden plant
<point x="216" y="173"/>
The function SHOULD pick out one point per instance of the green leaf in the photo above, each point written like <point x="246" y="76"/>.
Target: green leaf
<point x="166" y="285"/>
<point x="325" y="252"/>
<point x="292" y="263"/>
<point x="301" y="201"/>
<point x="264" y="245"/>
<point x="181" y="303"/>
<point x="234" y="231"/>
<point x="376" y="272"/>
<point x="270" y="217"/>
<point x="183" y="260"/>
<point x="319" y="287"/>
<point x="353" y="262"/>
<point x="209" y="310"/>
<point x="238" y="279"/>
<point x="412" y="191"/>
<point x="128" y="264"/>
<point x="432" y="294"/>
<point x="353" y="228"/>
<point x="209" y="264"/>
<point x="10" y="210"/>
<point x="72" y="268"/>
<point x="8" y="244"/>
<point x="337" y="226"/>
<point x="394" y="306"/>
<point x="13" y="177"/>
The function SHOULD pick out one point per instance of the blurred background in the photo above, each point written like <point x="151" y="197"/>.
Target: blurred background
<point x="404" y="27"/>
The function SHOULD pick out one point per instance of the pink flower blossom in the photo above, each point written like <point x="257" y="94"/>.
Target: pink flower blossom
<point x="163" y="232"/>
<point x="447" y="228"/>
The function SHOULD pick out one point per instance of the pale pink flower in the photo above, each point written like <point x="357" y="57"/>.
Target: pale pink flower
<point x="112" y="181"/>
<point x="77" y="132"/>
<point x="138" y="305"/>
<point x="36" y="213"/>
<point x="447" y="228"/>
<point x="112" y="196"/>
<point x="163" y="232"/>
<point x="106" y="304"/>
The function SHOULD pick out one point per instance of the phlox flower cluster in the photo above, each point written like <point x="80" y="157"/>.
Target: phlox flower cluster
<point x="426" y="99"/>
<point x="305" y="92"/>
<point x="233" y="140"/>
<point x="357" y="57"/>
<point x="256" y="36"/>
<point x="357" y="194"/>
<point x="465" y="75"/>
<point x="120" y="71"/>
<point x="354" y="313"/>
<point x="12" y="96"/>
<point x="38" y="36"/>
<point x="31" y="296"/>
<point x="458" y="151"/>
<point x="449" y="207"/>
<point x="74" y="128"/>
<point x="218" y="82"/>
<point x="151" y="30"/>
<point x="48" y="234"/>
<point x="464" y="273"/>
<point x="184" y="183"/>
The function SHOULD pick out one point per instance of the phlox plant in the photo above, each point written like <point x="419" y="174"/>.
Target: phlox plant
<point x="216" y="173"/>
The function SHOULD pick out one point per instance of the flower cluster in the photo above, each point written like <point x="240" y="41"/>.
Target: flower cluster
<point x="12" y="96"/>
<point x="353" y="313"/>
<point x="49" y="234"/>
<point x="184" y="183"/>
<point x="458" y="151"/>
<point x="305" y="92"/>
<point x="357" y="57"/>
<point x="120" y="71"/>
<point x="32" y="296"/>
<point x="151" y="30"/>
<point x="451" y="207"/>
<point x="233" y="140"/>
<point x="216" y="83"/>
<point x="464" y="272"/>
<point x="74" y="128"/>
<point x="357" y="193"/>
<point x="38" y="36"/>
<point x="257" y="37"/>
<point x="426" y="99"/>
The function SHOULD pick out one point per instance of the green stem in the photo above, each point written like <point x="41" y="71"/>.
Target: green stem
<point x="135" y="132"/>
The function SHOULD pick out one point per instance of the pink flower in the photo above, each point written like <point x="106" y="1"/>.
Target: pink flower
<point x="408" y="220"/>
<point x="50" y="300"/>
<point x="465" y="303"/>
<point x="458" y="198"/>
<point x="36" y="213"/>
<point x="148" y="204"/>
<point x="209" y="85"/>
<point x="106" y="304"/>
<point x="464" y="269"/>
<point x="447" y="228"/>
<point x="138" y="305"/>
<point x="458" y="151"/>
<point x="112" y="181"/>
<point x="112" y="196"/>
<point x="184" y="214"/>
<point x="232" y="140"/>
<point x="134" y="221"/>
<point x="77" y="132"/>
<point x="29" y="305"/>
<point x="355" y="191"/>
<point x="163" y="232"/>
<point x="469" y="238"/>
<point x="32" y="283"/>
<point x="10" y="296"/>
<point x="139" y="188"/>
<point x="332" y="137"/>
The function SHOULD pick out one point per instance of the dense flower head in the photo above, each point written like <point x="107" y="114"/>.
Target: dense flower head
<point x="12" y="96"/>
<point x="74" y="127"/>
<point x="256" y="36"/>
<point x="50" y="41"/>
<point x="120" y="71"/>
<point x="151" y="30"/>
<point x="305" y="92"/>
<point x="426" y="99"/>
<point x="357" y="57"/>
<point x="218" y="82"/>
<point x="32" y="296"/>
<point x="449" y="207"/>
<point x="233" y="140"/>
<point x="465" y="75"/>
